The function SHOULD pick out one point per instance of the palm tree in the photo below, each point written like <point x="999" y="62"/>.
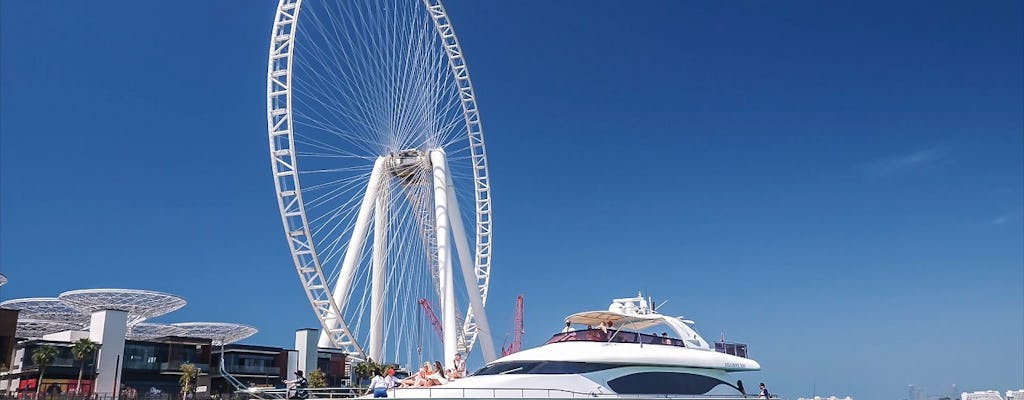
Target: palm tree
<point x="317" y="379"/>
<point x="81" y="349"/>
<point x="43" y="356"/>
<point x="189" y="373"/>
<point x="366" y="370"/>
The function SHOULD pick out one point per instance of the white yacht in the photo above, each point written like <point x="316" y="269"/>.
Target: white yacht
<point x="627" y="351"/>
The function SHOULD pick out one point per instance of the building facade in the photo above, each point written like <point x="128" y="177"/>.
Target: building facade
<point x="153" y="367"/>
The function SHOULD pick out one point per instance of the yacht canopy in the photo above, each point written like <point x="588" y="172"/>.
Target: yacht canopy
<point x="635" y="321"/>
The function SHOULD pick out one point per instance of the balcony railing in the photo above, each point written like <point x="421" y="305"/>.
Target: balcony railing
<point x="176" y="366"/>
<point x="142" y="365"/>
<point x="57" y="362"/>
<point x="253" y="370"/>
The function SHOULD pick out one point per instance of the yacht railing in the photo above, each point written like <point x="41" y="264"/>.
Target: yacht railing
<point x="314" y="393"/>
<point x="442" y="393"/>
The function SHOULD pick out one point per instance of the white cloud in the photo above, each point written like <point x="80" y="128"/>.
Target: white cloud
<point x="1002" y="219"/>
<point x="904" y="163"/>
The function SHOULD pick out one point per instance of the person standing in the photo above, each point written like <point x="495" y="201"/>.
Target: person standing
<point x="297" y="387"/>
<point x="378" y="385"/>
<point x="764" y="392"/>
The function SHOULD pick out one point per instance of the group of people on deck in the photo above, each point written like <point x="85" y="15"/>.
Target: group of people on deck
<point x="430" y="374"/>
<point x="606" y="331"/>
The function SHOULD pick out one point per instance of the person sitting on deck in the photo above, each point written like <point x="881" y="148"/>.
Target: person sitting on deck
<point x="418" y="379"/>
<point x="390" y="379"/>
<point x="437" y="376"/>
<point x="460" y="367"/>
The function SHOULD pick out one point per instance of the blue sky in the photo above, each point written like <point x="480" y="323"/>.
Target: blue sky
<point x="838" y="184"/>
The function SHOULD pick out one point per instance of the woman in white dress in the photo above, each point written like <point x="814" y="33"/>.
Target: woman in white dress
<point x="436" y="376"/>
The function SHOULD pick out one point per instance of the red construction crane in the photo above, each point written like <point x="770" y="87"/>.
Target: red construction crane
<point x="433" y="318"/>
<point x="517" y="330"/>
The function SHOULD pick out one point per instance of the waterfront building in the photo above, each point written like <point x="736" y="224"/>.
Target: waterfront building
<point x="154" y="366"/>
<point x="993" y="395"/>
<point x="139" y="358"/>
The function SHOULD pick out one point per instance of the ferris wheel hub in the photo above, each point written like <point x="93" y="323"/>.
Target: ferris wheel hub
<point x="409" y="165"/>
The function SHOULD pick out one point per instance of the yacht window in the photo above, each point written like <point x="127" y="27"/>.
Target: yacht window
<point x="543" y="368"/>
<point x="623" y="337"/>
<point x="507" y="367"/>
<point x="664" y="383"/>
<point x="569" y="367"/>
<point x="597" y="335"/>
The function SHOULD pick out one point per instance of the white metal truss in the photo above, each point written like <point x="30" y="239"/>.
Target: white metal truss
<point x="48" y="309"/>
<point x="295" y="219"/>
<point x="286" y="178"/>
<point x="139" y="304"/>
<point x="220" y="333"/>
<point x="147" y="331"/>
<point x="29" y="328"/>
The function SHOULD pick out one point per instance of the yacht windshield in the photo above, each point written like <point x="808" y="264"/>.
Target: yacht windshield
<point x="613" y="335"/>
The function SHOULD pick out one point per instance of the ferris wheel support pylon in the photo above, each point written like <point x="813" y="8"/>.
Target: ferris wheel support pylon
<point x="439" y="168"/>
<point x="380" y="262"/>
<point x="469" y="277"/>
<point x="354" y="248"/>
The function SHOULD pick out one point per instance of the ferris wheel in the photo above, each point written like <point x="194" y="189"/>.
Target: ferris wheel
<point x="378" y="157"/>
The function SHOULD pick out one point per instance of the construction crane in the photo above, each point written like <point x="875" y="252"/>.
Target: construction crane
<point x="433" y="318"/>
<point x="517" y="330"/>
<point x="439" y="329"/>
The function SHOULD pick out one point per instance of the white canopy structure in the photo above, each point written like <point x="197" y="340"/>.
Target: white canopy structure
<point x="638" y="313"/>
<point x="47" y="309"/>
<point x="36" y="328"/>
<point x="220" y="333"/>
<point x="139" y="304"/>
<point x="146" y="331"/>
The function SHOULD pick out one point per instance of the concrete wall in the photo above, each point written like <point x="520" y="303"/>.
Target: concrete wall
<point x="108" y="328"/>
<point x="306" y="345"/>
